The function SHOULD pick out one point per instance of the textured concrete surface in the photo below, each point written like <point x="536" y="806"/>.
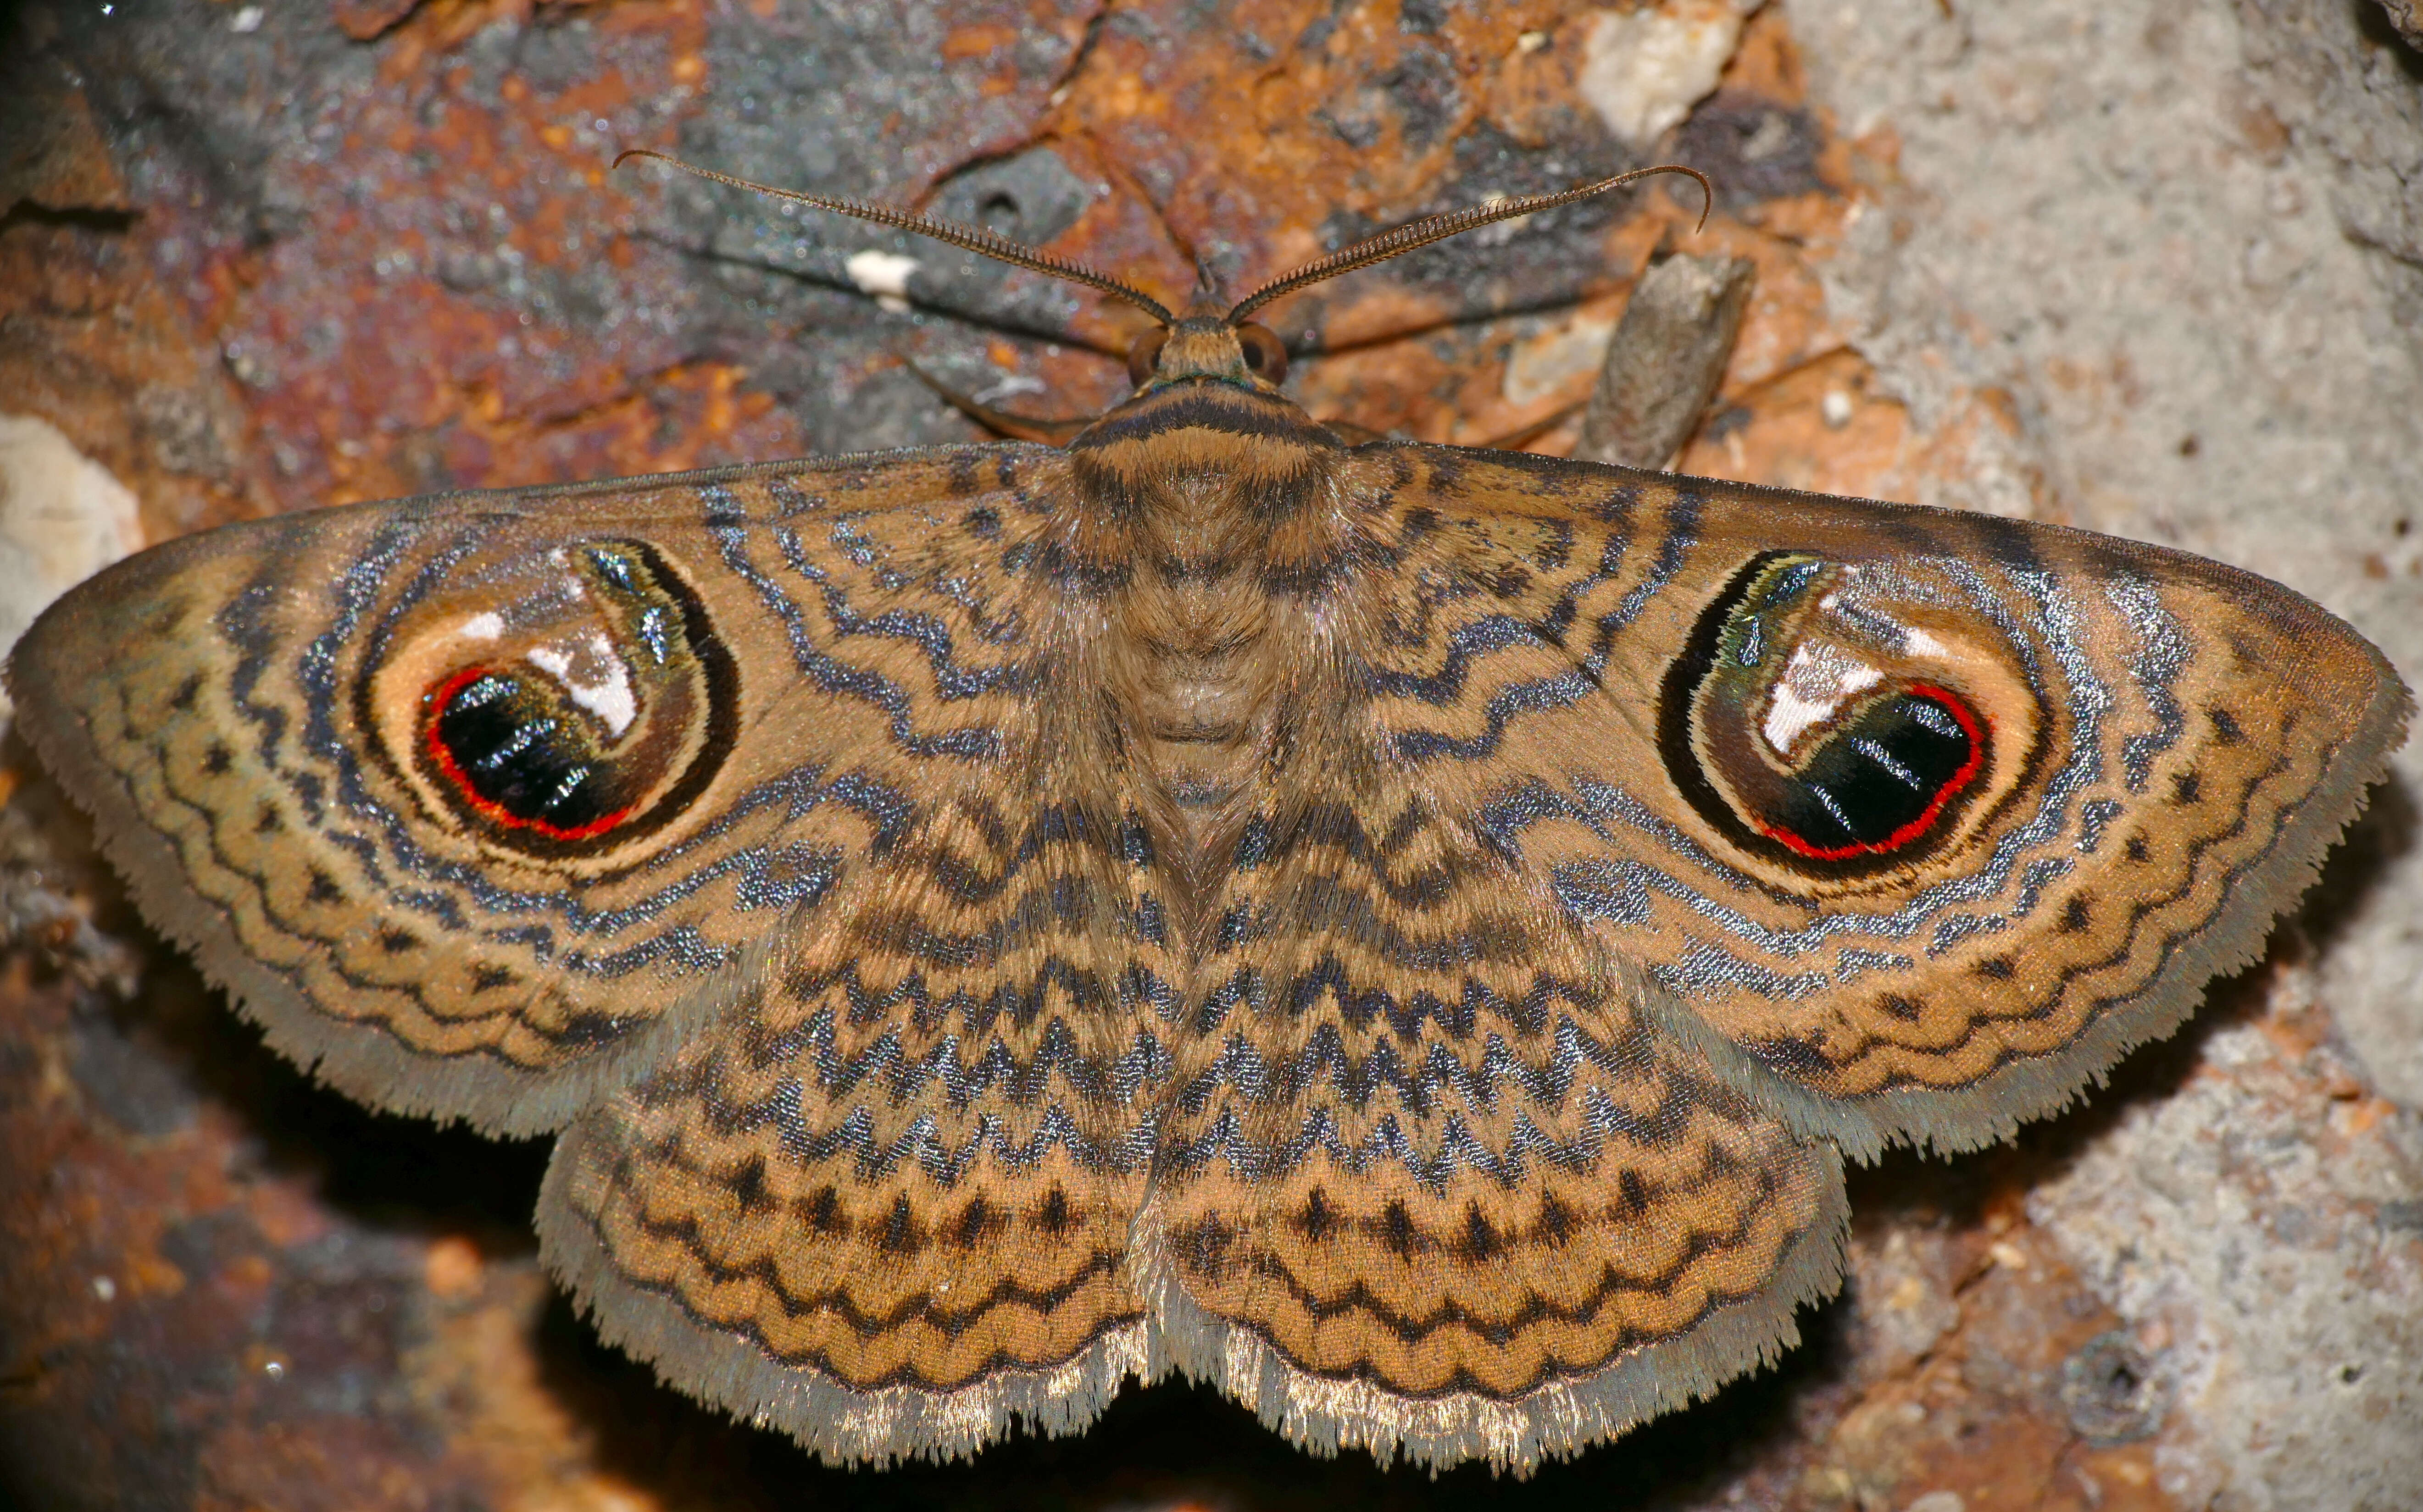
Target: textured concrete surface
<point x="2186" y="241"/>
<point x="2015" y="262"/>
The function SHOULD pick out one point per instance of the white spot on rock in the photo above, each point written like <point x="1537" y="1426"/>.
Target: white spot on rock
<point x="62" y="519"/>
<point x="884" y="274"/>
<point x="246" y="20"/>
<point x="1642" y="70"/>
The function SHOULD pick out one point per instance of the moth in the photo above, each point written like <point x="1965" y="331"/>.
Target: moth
<point x="1406" y="935"/>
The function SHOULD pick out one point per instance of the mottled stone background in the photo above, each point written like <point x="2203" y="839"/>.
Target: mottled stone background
<point x="2152" y="268"/>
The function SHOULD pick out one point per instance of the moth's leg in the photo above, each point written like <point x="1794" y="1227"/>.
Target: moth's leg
<point x="1669" y="354"/>
<point x="1000" y="422"/>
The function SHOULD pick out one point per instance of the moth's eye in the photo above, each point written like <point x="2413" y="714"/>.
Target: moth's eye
<point x="1266" y="355"/>
<point x="1145" y="357"/>
<point x="581" y="700"/>
<point x="1826" y="724"/>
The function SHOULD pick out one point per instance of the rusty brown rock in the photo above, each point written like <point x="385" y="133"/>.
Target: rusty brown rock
<point x="374" y="249"/>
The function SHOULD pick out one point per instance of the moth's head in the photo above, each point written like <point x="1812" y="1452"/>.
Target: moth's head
<point x="1204" y="341"/>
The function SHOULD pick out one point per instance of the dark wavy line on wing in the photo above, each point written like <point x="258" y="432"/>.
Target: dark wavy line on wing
<point x="1559" y="691"/>
<point x="1421" y="534"/>
<point x="854" y="1140"/>
<point x="967" y="742"/>
<point x="926" y="632"/>
<point x="1358" y="1298"/>
<point x="1465" y="644"/>
<point x="1087" y="989"/>
<point x="1319" y="905"/>
<point x="2157" y="662"/>
<point x="1456" y="1019"/>
<point x="2139" y="911"/>
<point x="836" y="1303"/>
<point x="1457" y="1148"/>
<point x="1056" y="910"/>
<point x="1024" y="1078"/>
<point x="1323" y="1059"/>
<point x="1337" y="830"/>
<point x="959" y="872"/>
<point x="1682" y="533"/>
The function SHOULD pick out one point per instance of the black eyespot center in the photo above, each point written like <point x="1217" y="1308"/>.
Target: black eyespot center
<point x="1882" y="785"/>
<point x="574" y="734"/>
<point x="515" y="762"/>
<point x="1805" y="742"/>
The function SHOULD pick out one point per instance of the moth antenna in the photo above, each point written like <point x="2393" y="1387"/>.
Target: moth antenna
<point x="1404" y="239"/>
<point x="970" y="238"/>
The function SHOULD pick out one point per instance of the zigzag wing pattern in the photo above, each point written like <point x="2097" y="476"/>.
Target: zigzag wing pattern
<point x="471" y="800"/>
<point x="884" y="1202"/>
<point x="1431" y="1184"/>
<point x="1430" y="1181"/>
<point x="1917" y="820"/>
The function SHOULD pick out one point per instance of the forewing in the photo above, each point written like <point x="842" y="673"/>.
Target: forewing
<point x="1429" y="1183"/>
<point x="477" y="802"/>
<point x="1918" y="820"/>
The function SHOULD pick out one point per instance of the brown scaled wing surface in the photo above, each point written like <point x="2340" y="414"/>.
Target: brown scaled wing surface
<point x="1208" y="899"/>
<point x="1189" y="1031"/>
<point x="2171" y="746"/>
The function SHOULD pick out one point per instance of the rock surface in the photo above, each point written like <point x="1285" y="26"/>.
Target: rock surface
<point x="2152" y="269"/>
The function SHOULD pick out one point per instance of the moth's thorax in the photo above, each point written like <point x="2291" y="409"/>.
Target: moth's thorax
<point x="1218" y="501"/>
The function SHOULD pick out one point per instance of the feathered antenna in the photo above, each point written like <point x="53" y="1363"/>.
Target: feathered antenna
<point x="1420" y="233"/>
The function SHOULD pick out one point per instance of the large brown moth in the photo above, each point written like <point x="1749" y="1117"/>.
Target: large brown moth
<point x="1402" y="932"/>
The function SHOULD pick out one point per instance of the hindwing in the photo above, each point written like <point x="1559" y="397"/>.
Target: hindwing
<point x="1432" y="1181"/>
